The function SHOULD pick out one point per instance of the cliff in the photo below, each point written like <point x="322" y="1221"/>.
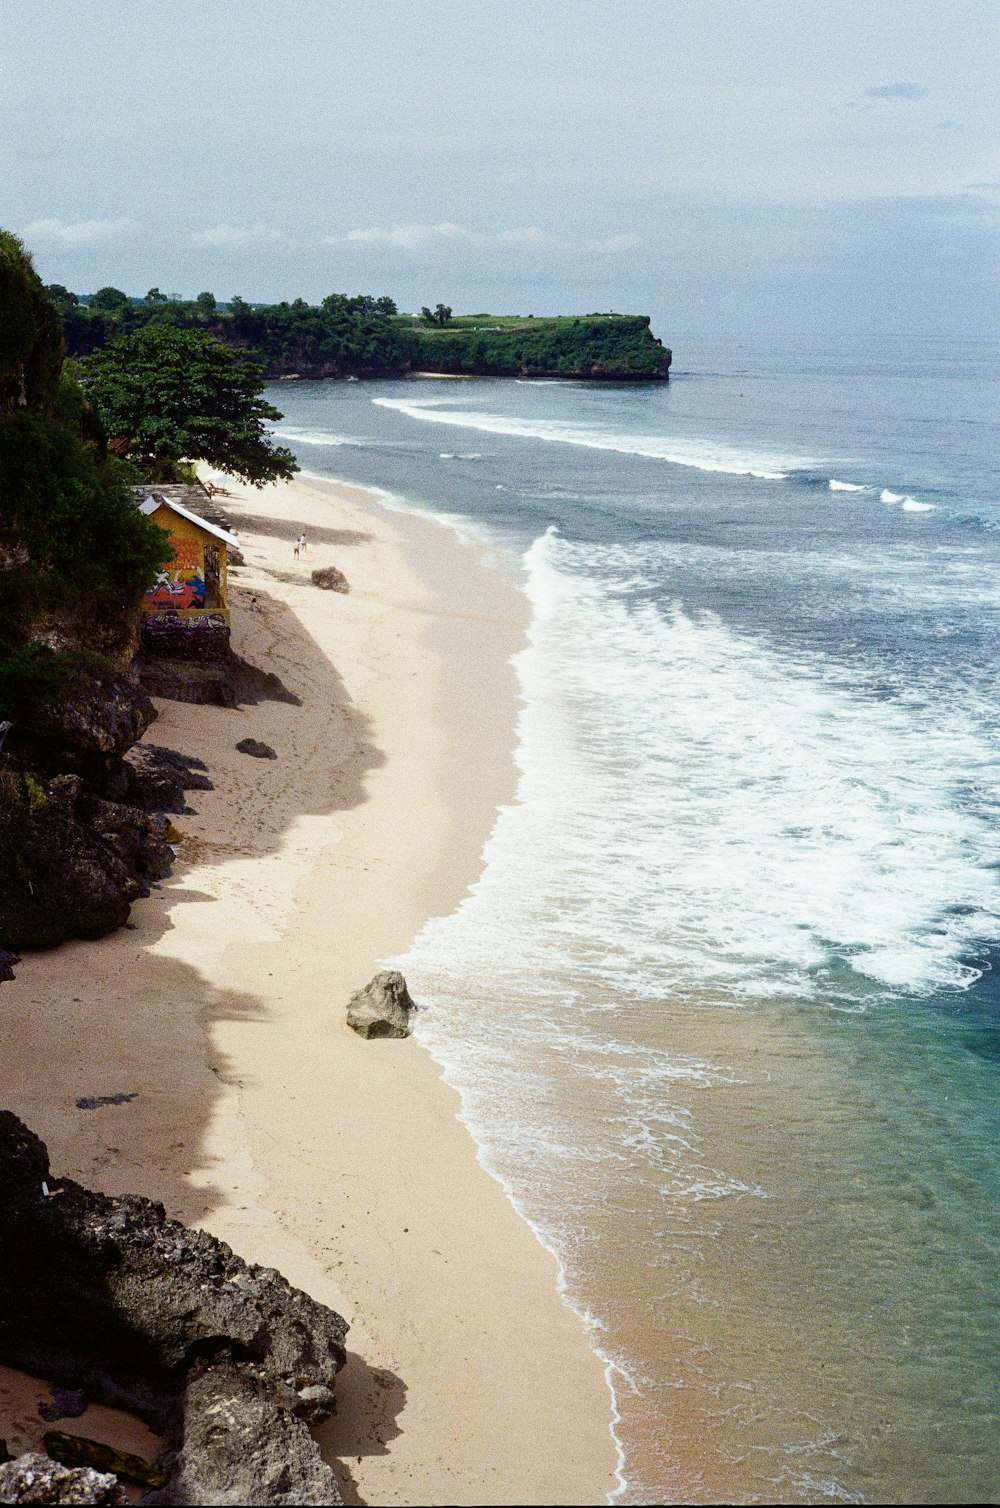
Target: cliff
<point x="604" y="347"/>
<point x="367" y="337"/>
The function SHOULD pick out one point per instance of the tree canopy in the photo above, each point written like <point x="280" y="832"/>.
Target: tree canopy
<point x="75" y="552"/>
<point x="166" y="396"/>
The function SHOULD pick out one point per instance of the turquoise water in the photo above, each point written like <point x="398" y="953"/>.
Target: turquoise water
<point x="723" y="1007"/>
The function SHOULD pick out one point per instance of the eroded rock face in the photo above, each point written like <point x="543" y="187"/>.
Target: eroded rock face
<point x="157" y="779"/>
<point x="112" y="1296"/>
<point x="70" y="864"/>
<point x="242" y="1444"/>
<point x="226" y="1359"/>
<point x="84" y="730"/>
<point x="382" y="1008"/>
<point x="232" y="682"/>
<point x="34" y="1478"/>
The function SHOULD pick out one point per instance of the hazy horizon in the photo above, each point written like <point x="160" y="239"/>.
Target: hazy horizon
<point x="802" y="169"/>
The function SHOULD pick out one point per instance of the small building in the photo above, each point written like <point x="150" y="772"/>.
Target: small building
<point x="194" y="585"/>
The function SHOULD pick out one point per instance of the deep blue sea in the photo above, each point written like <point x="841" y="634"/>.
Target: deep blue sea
<point x="723" y="1008"/>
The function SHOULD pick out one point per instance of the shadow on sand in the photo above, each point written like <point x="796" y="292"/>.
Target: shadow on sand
<point x="121" y="1017"/>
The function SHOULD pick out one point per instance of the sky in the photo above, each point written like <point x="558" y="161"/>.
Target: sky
<point x="740" y="167"/>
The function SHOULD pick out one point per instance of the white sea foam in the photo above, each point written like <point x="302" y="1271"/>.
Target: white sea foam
<point x="912" y="505"/>
<point x="703" y="455"/>
<point x="316" y="437"/>
<point x="836" y="486"/>
<point x="885" y="496"/>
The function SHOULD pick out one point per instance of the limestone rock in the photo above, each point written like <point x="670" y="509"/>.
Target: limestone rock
<point x="156" y="778"/>
<point x="256" y="748"/>
<point x="34" y="1478"/>
<point x="232" y="682"/>
<point x="382" y="1008"/>
<point x="59" y="878"/>
<point x="112" y="1296"/>
<point x="241" y="1444"/>
<point x="84" y="730"/>
<point x="330" y="579"/>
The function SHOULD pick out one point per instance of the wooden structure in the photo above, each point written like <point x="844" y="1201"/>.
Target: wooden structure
<point x="195" y="584"/>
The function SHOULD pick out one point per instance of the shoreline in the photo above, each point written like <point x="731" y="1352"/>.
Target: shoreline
<point x="264" y="1119"/>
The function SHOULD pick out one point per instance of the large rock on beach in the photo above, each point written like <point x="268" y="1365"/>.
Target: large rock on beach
<point x="241" y="1444"/>
<point x="34" y="1478"/>
<point x="71" y="863"/>
<point x="256" y="748"/>
<point x="330" y="579"/>
<point x="219" y="1355"/>
<point x="83" y="730"/>
<point x="382" y="1008"/>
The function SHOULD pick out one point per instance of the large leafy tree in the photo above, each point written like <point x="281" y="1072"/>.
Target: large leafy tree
<point x="166" y="396"/>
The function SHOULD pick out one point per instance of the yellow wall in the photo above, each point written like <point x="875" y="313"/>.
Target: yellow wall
<point x="184" y="534"/>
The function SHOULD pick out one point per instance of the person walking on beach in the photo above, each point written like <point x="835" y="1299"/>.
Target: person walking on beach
<point x="296" y="549"/>
<point x="302" y="541"/>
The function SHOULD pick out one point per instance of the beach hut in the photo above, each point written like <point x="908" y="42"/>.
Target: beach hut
<point x="194" y="585"/>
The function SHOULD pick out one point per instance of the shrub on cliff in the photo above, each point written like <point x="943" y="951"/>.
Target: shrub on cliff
<point x="75" y="553"/>
<point x="166" y="396"/>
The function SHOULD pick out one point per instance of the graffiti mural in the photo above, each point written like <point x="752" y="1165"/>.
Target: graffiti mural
<point x="181" y="583"/>
<point x="177" y="589"/>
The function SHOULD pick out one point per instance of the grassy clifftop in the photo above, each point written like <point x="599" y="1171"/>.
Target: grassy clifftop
<point x="617" y="347"/>
<point x="366" y="336"/>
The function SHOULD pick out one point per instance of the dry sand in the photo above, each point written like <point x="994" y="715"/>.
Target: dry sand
<point x="260" y="1116"/>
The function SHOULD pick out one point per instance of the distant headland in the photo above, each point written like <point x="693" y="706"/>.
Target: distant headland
<point x="362" y="336"/>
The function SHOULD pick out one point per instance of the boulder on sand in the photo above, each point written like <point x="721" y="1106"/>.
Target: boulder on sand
<point x="257" y="748"/>
<point x="382" y="1008"/>
<point x="330" y="579"/>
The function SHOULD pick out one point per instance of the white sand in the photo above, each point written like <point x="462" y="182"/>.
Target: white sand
<point x="260" y="1115"/>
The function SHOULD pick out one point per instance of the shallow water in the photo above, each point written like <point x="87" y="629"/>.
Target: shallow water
<point x="722" y="1008"/>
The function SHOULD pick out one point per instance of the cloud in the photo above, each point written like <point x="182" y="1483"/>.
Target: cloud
<point x="897" y="91"/>
<point x="230" y="237"/>
<point x="989" y="187"/>
<point x="949" y="125"/>
<point x="77" y="234"/>
<point x="446" y="233"/>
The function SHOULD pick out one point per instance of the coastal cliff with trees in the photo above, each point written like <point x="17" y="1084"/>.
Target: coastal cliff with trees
<point x="368" y="337"/>
<point x="81" y="828"/>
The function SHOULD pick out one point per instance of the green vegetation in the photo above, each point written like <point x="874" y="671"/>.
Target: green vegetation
<point x="166" y="396"/>
<point x="367" y="336"/>
<point x="75" y="553"/>
<point x="609" y="346"/>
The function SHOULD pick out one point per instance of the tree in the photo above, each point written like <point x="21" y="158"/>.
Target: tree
<point x="154" y="296"/>
<point x="206" y="304"/>
<point x="109" y="300"/>
<point x="166" y="395"/>
<point x="77" y="552"/>
<point x="440" y="315"/>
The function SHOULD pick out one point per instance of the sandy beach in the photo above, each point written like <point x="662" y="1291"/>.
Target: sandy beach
<point x="258" y="1114"/>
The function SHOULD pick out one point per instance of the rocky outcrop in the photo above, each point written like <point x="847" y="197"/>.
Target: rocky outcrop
<point x="82" y="727"/>
<point x="157" y="779"/>
<point x="241" y="1444"/>
<point x="226" y="1359"/>
<point x="71" y="863"/>
<point x="330" y="579"/>
<point x="34" y="1478"/>
<point x="230" y="682"/>
<point x="382" y="1008"/>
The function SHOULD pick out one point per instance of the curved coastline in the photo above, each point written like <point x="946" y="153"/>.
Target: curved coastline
<point x="259" y="1115"/>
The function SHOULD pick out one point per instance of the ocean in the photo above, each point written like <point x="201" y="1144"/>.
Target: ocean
<point x="723" y="1006"/>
